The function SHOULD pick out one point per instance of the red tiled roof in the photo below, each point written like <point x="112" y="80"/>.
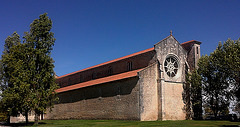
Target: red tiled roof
<point x="187" y="42"/>
<point x="100" y="81"/>
<point x="118" y="59"/>
<point x="109" y="78"/>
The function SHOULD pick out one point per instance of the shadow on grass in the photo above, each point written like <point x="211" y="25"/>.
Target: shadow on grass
<point x="19" y="124"/>
<point x="230" y="126"/>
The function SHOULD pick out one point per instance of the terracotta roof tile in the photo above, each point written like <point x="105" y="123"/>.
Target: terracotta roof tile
<point x="100" y="81"/>
<point x="188" y="42"/>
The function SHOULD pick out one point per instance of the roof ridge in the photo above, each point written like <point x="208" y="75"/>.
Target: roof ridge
<point x="188" y="42"/>
<point x="164" y="39"/>
<point x="121" y="58"/>
<point x="108" y="62"/>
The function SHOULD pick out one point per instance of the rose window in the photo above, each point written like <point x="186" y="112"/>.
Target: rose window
<point x="171" y="66"/>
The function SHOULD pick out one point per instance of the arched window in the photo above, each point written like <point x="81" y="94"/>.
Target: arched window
<point x="80" y="79"/>
<point x="69" y="82"/>
<point x="129" y="65"/>
<point x="93" y="75"/>
<point x="110" y="70"/>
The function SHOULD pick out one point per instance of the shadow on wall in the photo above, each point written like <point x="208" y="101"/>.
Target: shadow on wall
<point x="111" y="89"/>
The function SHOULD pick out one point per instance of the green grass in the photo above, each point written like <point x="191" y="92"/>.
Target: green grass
<point x="122" y="123"/>
<point x="125" y="123"/>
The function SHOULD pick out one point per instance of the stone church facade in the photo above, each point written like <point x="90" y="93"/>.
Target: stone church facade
<point x="145" y="86"/>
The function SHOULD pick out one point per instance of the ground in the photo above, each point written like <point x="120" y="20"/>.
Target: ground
<point x="122" y="123"/>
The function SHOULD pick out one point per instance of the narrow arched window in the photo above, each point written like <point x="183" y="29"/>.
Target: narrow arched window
<point x="93" y="75"/>
<point x="80" y="78"/>
<point x="69" y="81"/>
<point x="197" y="50"/>
<point x="110" y="70"/>
<point x="129" y="66"/>
<point x="118" y="92"/>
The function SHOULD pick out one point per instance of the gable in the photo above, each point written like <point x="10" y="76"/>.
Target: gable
<point x="170" y="48"/>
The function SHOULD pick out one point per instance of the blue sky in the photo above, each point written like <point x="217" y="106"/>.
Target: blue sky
<point x="91" y="32"/>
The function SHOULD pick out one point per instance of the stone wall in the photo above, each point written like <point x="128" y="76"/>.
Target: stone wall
<point x="114" y="100"/>
<point x="191" y="58"/>
<point x="171" y="88"/>
<point x="173" y="102"/>
<point x="193" y="55"/>
<point x="21" y="118"/>
<point x="149" y="93"/>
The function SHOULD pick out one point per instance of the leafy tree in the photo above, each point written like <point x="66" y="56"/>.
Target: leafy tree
<point x="3" y="116"/>
<point x="220" y="74"/>
<point x="237" y="108"/>
<point x="28" y="81"/>
<point x="40" y="42"/>
<point x="10" y="65"/>
<point x="216" y="92"/>
<point x="21" y="78"/>
<point x="186" y="98"/>
<point x="229" y="52"/>
<point x="230" y="55"/>
<point x="195" y="90"/>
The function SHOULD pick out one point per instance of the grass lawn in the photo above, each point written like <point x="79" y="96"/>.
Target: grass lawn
<point x="122" y="123"/>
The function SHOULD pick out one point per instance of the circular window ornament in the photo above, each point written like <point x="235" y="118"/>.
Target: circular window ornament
<point x="171" y="66"/>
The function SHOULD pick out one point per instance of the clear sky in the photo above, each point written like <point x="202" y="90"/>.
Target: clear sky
<point x="91" y="32"/>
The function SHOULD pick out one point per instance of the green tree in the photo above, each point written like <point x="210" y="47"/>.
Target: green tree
<point x="215" y="85"/>
<point x="230" y="50"/>
<point x="20" y="78"/>
<point x="27" y="75"/>
<point x="195" y="90"/>
<point x="229" y="53"/>
<point x="40" y="42"/>
<point x="10" y="65"/>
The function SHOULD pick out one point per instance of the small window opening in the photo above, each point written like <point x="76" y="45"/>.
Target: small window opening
<point x="186" y="68"/>
<point x="69" y="81"/>
<point x="93" y="75"/>
<point x="118" y="92"/>
<point x="110" y="70"/>
<point x="197" y="50"/>
<point x="100" y="94"/>
<point x="129" y="66"/>
<point x="80" y="78"/>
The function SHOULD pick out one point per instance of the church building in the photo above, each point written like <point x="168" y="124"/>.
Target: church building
<point x="147" y="85"/>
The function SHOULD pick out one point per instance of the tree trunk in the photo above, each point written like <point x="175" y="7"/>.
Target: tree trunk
<point x="8" y="119"/>
<point x="26" y="117"/>
<point x="215" y="115"/>
<point x="36" y="118"/>
<point x="42" y="116"/>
